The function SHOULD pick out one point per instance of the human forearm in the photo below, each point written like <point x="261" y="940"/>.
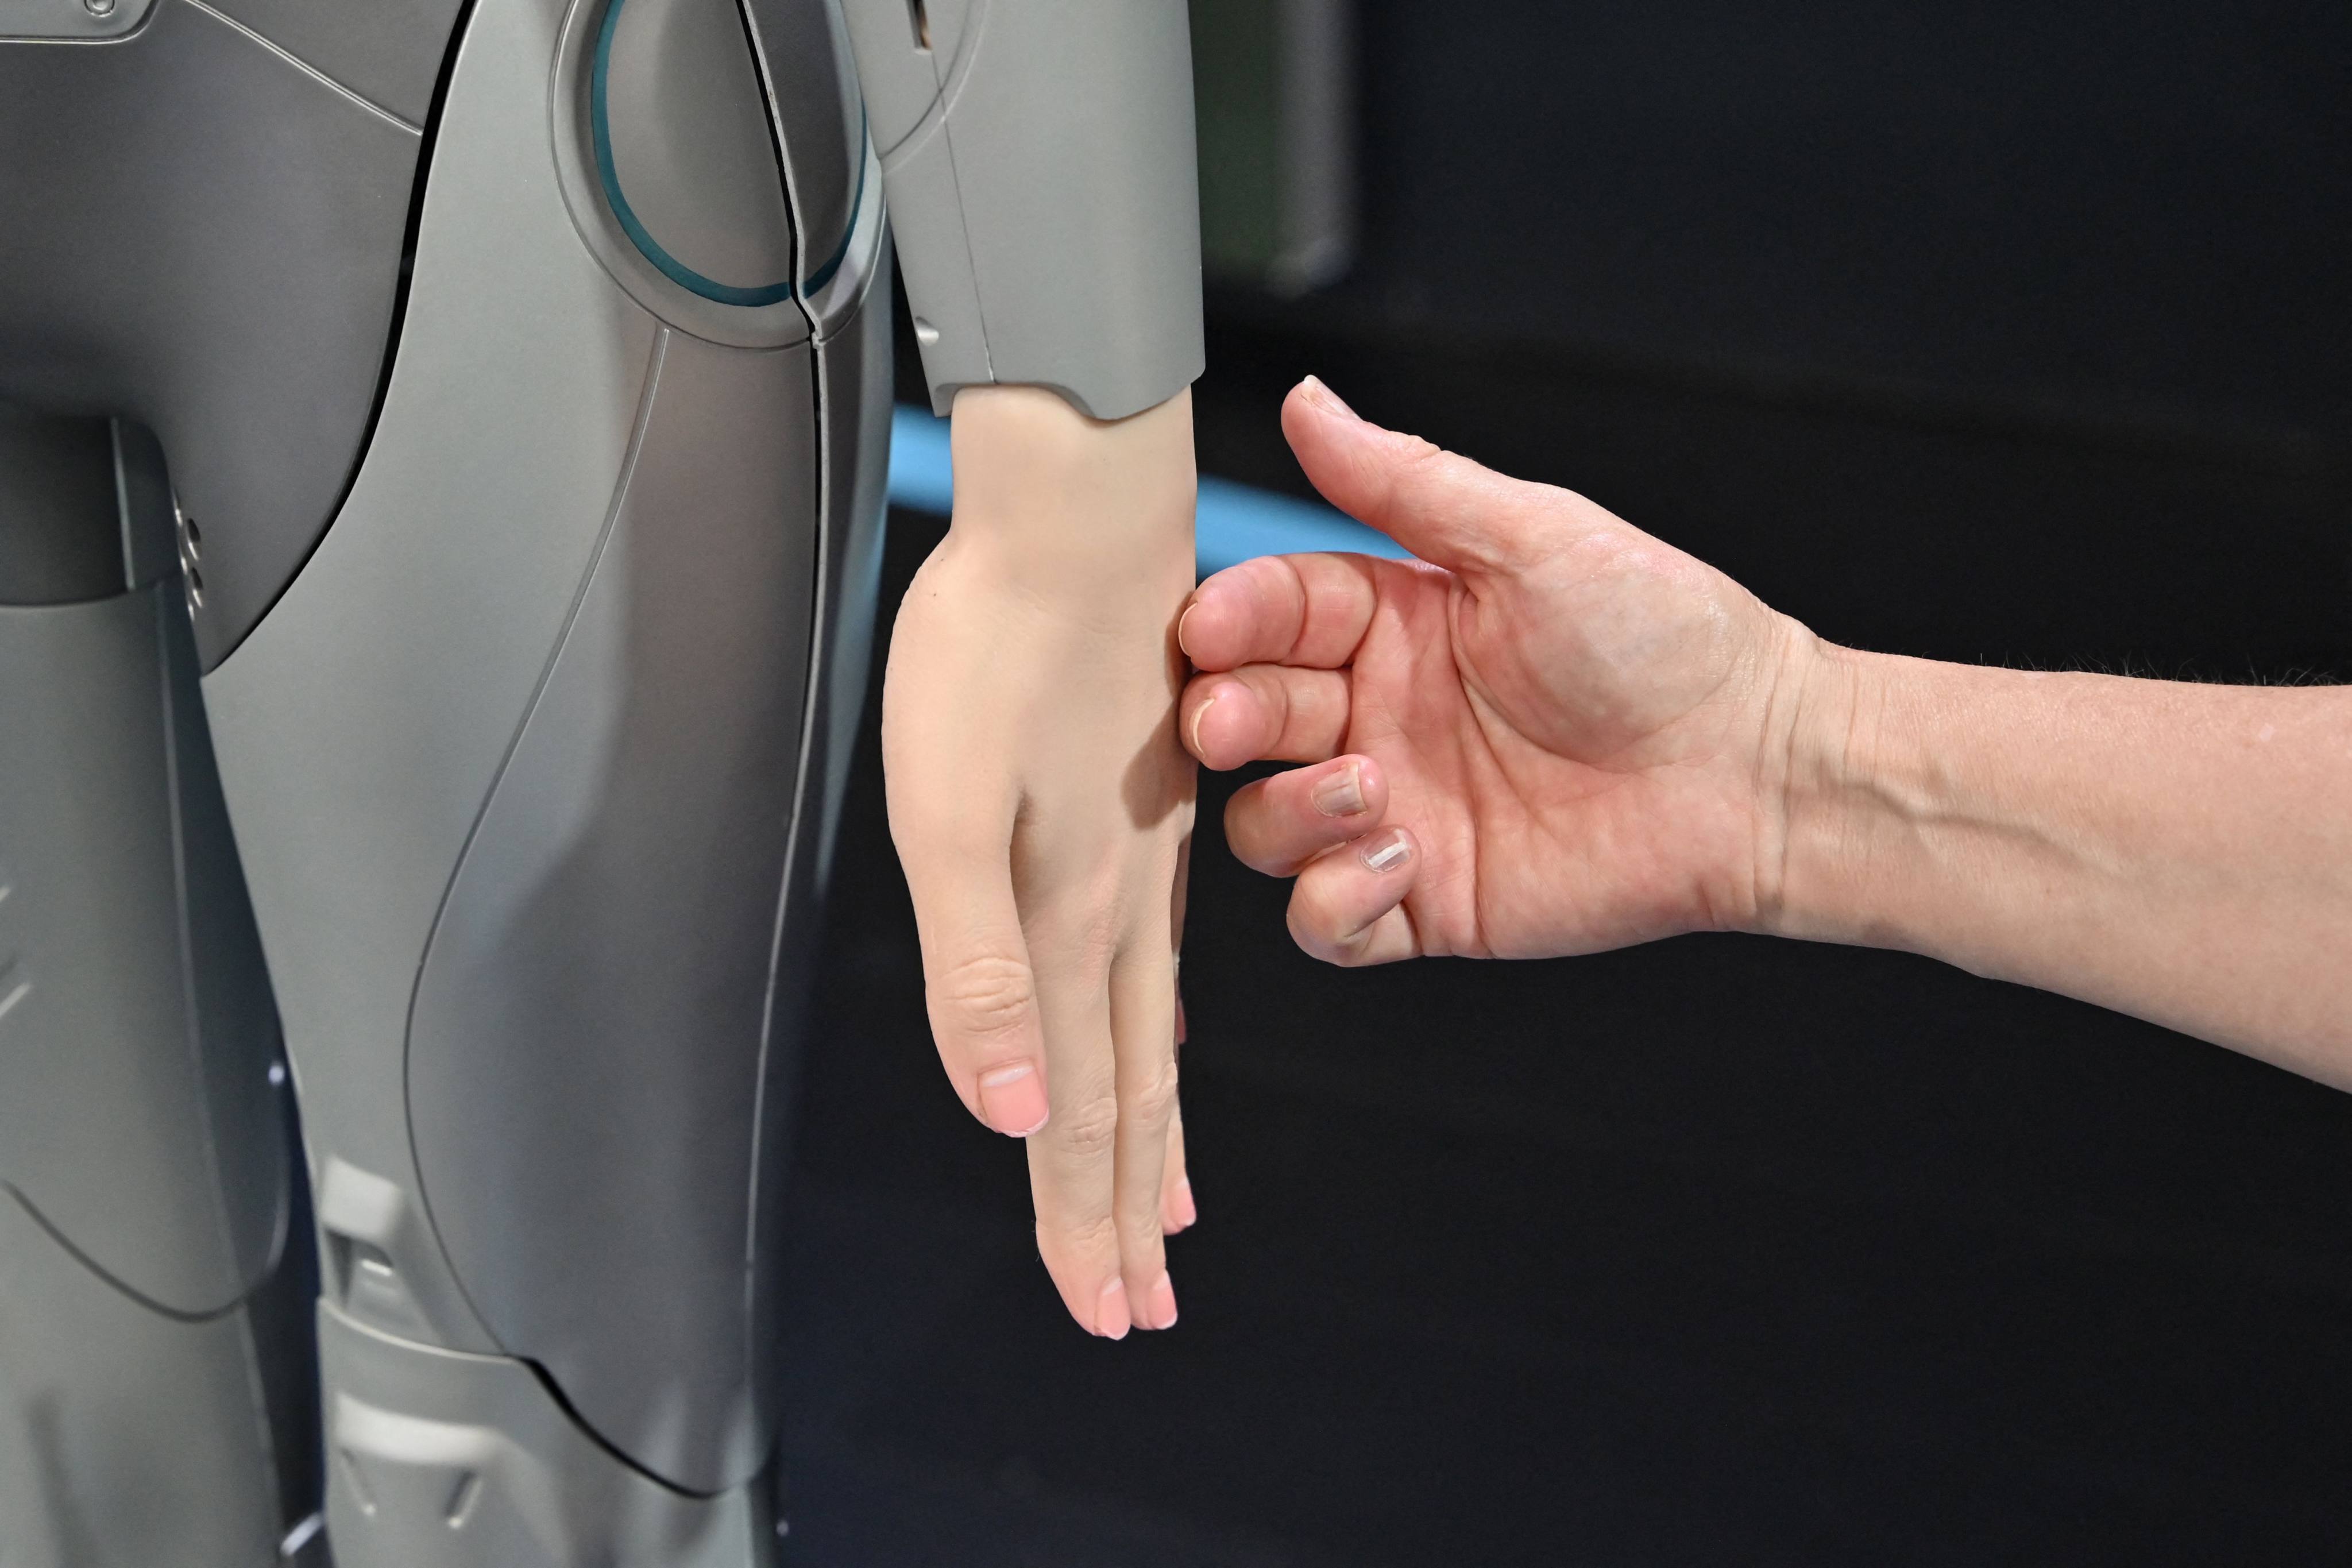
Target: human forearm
<point x="2181" y="852"/>
<point x="1585" y="738"/>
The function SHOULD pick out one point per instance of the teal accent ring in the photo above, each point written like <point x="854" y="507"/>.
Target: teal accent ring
<point x="823" y="275"/>
<point x="676" y="271"/>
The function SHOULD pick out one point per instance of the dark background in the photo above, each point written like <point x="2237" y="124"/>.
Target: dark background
<point x="1988" y="331"/>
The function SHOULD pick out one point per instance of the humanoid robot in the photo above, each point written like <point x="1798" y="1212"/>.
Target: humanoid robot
<point x="441" y="466"/>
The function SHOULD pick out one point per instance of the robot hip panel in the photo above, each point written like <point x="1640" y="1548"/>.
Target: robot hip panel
<point x="586" y="1052"/>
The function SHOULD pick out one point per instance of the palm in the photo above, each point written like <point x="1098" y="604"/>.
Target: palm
<point x="1569" y="795"/>
<point x="1550" y="738"/>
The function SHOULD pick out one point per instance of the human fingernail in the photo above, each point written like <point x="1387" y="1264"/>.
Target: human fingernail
<point x="1187" y="1215"/>
<point x="1180" y="620"/>
<point x="1342" y="793"/>
<point x="1159" y="1313"/>
<point x="1386" y="853"/>
<point x="1199" y="713"/>
<point x="1012" y="1100"/>
<point x="1111" y="1319"/>
<point x="1317" y="390"/>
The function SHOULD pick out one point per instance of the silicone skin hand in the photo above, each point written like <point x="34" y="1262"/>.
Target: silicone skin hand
<point x="1565" y="731"/>
<point x="1039" y="160"/>
<point x="1042" y="805"/>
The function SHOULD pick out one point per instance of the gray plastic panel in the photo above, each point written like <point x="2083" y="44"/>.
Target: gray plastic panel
<point x="894" y="70"/>
<point x="137" y="1118"/>
<point x="589" y="1035"/>
<point x="1046" y="202"/>
<point x="145" y="1158"/>
<point x="692" y="152"/>
<point x="444" y="1461"/>
<point x="578" y="560"/>
<point x="154" y="539"/>
<point x="853" y="389"/>
<point x="854" y="370"/>
<point x="864" y="254"/>
<point x="81" y="21"/>
<point x="942" y="291"/>
<point x="387" y="51"/>
<point x="571" y="130"/>
<point x="59" y="535"/>
<point x="811" y="78"/>
<point x="361" y="726"/>
<point x="1071" y="129"/>
<point x="900" y="71"/>
<point x="205" y="236"/>
<point x="85" y="509"/>
<point x="126" y="1440"/>
<point x="233" y="1029"/>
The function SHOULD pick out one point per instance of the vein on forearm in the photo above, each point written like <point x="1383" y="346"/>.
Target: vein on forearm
<point x="2180" y="852"/>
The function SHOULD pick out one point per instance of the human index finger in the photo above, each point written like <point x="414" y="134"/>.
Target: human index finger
<point x="1311" y="610"/>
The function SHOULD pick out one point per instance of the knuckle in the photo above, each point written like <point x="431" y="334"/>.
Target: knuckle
<point x="1089" y="1129"/>
<point x="1255" y="833"/>
<point x="985" y="996"/>
<point x="1317" y="933"/>
<point x="1273" y="694"/>
<point x="1143" y="1243"/>
<point x="1249" y="842"/>
<point x="1088" y="1238"/>
<point x="1302" y="930"/>
<point x="1323" y="707"/>
<point x="1243" y="810"/>
<point x="1418" y="462"/>
<point x="1152" y="1101"/>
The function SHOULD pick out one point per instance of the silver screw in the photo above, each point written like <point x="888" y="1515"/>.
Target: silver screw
<point x="100" y="8"/>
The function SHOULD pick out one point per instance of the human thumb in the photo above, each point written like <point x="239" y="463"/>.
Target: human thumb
<point x="1445" y="509"/>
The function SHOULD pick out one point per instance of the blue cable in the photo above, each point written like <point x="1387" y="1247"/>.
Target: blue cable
<point x="1236" y="523"/>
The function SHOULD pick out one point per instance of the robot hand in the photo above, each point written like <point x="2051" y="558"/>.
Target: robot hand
<point x="1043" y="805"/>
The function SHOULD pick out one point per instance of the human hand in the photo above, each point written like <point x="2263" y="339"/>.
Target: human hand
<point x="1042" y="807"/>
<point x="1551" y="734"/>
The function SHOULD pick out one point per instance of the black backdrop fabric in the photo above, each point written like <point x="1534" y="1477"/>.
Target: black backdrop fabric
<point x="1991" y="333"/>
<point x="2135" y="208"/>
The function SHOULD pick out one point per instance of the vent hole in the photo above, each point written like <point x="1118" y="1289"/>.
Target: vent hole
<point x="923" y="20"/>
<point x="195" y="587"/>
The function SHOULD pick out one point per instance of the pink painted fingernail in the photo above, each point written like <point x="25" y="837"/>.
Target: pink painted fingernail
<point x="1187" y="1215"/>
<point x="1012" y="1100"/>
<point x="1160" y="1313"/>
<point x="1343" y="793"/>
<point x="1111" y="1321"/>
<point x="1386" y="853"/>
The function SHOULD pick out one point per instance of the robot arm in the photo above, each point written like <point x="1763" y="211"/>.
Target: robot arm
<point x="1038" y="159"/>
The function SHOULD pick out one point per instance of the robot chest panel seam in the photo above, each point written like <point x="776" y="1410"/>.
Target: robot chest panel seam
<point x="306" y="68"/>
